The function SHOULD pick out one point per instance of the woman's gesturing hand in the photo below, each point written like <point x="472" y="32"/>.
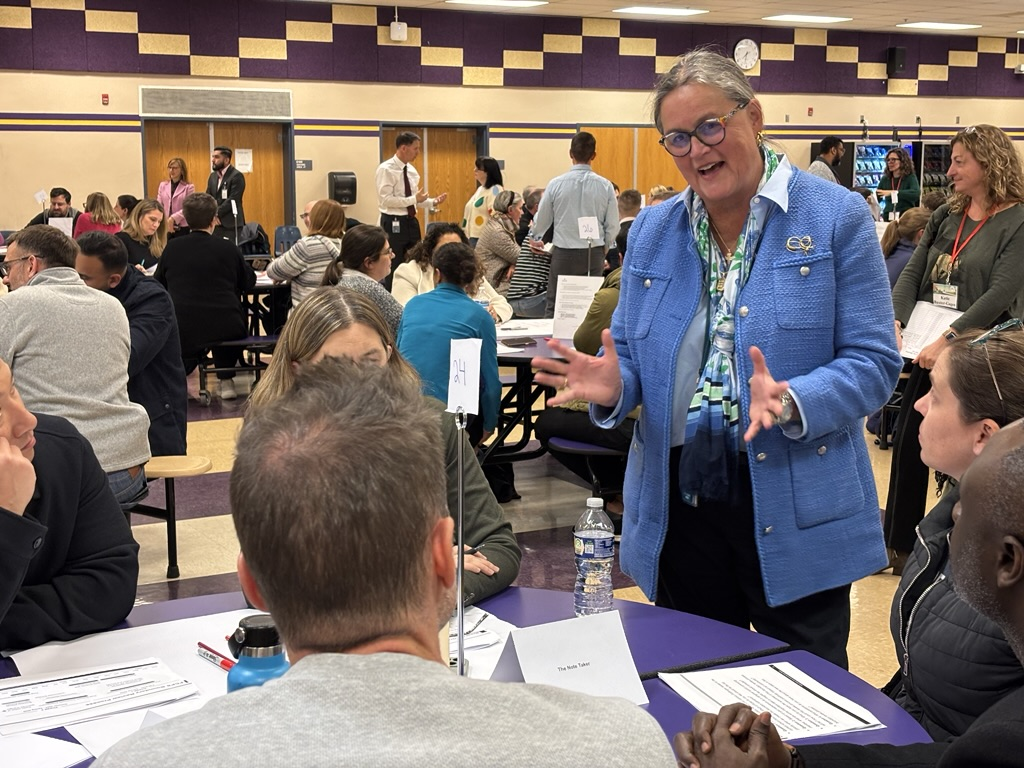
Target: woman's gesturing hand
<point x="580" y="376"/>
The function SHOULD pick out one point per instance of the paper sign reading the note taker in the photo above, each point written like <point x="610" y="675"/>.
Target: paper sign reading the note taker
<point x="464" y="376"/>
<point x="589" y="228"/>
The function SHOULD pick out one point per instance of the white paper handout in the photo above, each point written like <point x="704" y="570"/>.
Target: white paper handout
<point x="927" y="323"/>
<point x="520" y="326"/>
<point x="36" y="703"/>
<point x="801" y="707"/>
<point x="464" y="375"/>
<point x="575" y="295"/>
<point x="587" y="654"/>
<point x="30" y="750"/>
<point x="65" y="225"/>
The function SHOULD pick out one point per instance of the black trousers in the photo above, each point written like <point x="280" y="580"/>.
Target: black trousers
<point x="709" y="566"/>
<point x="403" y="233"/>
<point x="909" y="478"/>
<point x="576" y="425"/>
<point x="222" y="358"/>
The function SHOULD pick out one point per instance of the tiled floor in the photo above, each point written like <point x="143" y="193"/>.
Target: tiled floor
<point x="552" y="500"/>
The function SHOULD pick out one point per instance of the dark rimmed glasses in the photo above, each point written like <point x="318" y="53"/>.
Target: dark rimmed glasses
<point x="710" y="133"/>
<point x="5" y="266"/>
<point x="1013" y="324"/>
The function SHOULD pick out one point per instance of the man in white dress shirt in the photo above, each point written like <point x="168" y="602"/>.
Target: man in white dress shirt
<point x="399" y="195"/>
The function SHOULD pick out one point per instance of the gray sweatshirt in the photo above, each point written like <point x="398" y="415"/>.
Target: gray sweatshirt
<point x="68" y="347"/>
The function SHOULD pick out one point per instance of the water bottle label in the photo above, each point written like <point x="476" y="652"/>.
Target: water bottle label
<point x="597" y="548"/>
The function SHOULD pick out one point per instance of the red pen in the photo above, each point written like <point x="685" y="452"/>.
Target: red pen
<point x="214" y="657"/>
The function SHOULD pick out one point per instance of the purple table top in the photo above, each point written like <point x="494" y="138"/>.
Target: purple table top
<point x="523" y="355"/>
<point x="657" y="637"/>
<point x="660" y="638"/>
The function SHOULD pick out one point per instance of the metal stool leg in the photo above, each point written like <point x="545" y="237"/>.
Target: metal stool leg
<point x="172" y="532"/>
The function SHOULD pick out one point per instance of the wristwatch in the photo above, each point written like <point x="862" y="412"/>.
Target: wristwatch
<point x="950" y="336"/>
<point x="788" y="408"/>
<point x="795" y="759"/>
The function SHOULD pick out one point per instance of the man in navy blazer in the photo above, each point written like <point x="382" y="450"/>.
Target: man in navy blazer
<point x="226" y="186"/>
<point x="156" y="376"/>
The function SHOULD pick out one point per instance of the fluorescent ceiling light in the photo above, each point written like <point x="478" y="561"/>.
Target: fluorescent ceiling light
<point x="799" y="18"/>
<point x="500" y="3"/>
<point x="660" y="10"/>
<point x="942" y="25"/>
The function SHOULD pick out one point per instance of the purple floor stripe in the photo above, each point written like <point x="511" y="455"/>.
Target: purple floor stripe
<point x="195" y="497"/>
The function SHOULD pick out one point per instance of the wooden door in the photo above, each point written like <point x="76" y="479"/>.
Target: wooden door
<point x="614" y="158"/>
<point x="264" y="199"/>
<point x="654" y="165"/>
<point x="450" y="163"/>
<point x="165" y="139"/>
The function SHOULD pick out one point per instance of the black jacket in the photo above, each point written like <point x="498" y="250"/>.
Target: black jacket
<point x="206" y="277"/>
<point x="995" y="740"/>
<point x="954" y="663"/>
<point x="69" y="565"/>
<point x="156" y="376"/>
<point x="233" y="184"/>
<point x="43" y="217"/>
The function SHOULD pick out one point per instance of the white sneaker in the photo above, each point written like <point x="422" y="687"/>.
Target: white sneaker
<point x="227" y="389"/>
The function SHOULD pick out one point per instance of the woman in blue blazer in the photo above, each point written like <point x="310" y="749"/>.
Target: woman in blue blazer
<point x="749" y="497"/>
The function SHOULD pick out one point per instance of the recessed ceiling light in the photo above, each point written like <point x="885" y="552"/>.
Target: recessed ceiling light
<point x="799" y="18"/>
<point x="660" y="11"/>
<point x="941" y="25"/>
<point x="500" y="3"/>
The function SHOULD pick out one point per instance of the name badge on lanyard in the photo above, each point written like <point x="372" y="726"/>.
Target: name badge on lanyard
<point x="944" y="295"/>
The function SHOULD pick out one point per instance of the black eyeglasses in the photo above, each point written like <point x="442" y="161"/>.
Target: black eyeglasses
<point x="5" y="266"/>
<point x="1014" y="323"/>
<point x="710" y="133"/>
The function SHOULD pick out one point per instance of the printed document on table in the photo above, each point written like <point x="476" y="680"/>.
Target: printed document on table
<point x="927" y="323"/>
<point x="36" y="703"/>
<point x="800" y="706"/>
<point x="519" y="326"/>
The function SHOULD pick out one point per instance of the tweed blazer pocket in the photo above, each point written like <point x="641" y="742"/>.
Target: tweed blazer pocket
<point x="826" y="484"/>
<point x="645" y="303"/>
<point x="804" y="287"/>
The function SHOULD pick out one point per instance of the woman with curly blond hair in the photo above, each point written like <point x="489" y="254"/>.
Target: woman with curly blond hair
<point x="898" y="178"/>
<point x="971" y="259"/>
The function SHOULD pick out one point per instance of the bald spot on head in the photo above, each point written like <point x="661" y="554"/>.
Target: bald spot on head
<point x="999" y="474"/>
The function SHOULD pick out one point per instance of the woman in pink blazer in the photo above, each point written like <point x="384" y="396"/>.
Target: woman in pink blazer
<point x="172" y="193"/>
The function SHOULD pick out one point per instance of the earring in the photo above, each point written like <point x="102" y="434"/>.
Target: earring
<point x="760" y="138"/>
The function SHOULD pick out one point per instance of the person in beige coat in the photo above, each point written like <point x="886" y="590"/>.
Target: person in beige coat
<point x="497" y="247"/>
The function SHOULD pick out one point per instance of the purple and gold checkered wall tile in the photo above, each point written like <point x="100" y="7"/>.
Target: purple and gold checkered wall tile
<point x="320" y="41"/>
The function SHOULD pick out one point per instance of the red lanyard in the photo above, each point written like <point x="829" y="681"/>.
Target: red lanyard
<point x="898" y="182"/>
<point x="957" y="246"/>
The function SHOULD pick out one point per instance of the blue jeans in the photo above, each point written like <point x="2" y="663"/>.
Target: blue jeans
<point x="531" y="306"/>
<point x="128" y="490"/>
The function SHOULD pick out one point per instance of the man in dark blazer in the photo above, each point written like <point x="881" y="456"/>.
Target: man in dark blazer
<point x="206" y="277"/>
<point x="226" y="186"/>
<point x="156" y="376"/>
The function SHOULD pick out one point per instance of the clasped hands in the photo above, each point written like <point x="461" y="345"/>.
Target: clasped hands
<point x="597" y="380"/>
<point x="736" y="737"/>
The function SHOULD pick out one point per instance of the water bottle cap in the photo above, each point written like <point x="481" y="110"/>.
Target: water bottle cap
<point x="256" y="636"/>
<point x="595" y="501"/>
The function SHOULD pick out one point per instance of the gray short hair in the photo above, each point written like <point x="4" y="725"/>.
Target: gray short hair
<point x="707" y="67"/>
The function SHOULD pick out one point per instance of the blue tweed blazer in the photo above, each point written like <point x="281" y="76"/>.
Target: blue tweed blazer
<point x="824" y="320"/>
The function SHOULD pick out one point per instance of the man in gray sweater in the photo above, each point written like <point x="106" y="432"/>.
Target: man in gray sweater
<point x="359" y="581"/>
<point x="68" y="346"/>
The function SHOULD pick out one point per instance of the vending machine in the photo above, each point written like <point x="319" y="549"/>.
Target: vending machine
<point x="931" y="161"/>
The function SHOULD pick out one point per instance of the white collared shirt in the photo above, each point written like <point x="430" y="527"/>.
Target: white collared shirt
<point x="390" y="181"/>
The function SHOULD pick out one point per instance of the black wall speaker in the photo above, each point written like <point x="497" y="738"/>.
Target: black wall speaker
<point x="895" y="61"/>
<point x="341" y="186"/>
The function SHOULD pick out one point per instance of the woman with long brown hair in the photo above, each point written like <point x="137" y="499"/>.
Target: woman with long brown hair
<point x="971" y="259"/>
<point x="901" y="238"/>
<point x="145" y="234"/>
<point x="342" y="323"/>
<point x="98" y="215"/>
<point x="899" y="183"/>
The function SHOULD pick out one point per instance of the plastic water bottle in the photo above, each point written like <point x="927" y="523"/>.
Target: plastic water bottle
<point x="257" y="646"/>
<point x="594" y="544"/>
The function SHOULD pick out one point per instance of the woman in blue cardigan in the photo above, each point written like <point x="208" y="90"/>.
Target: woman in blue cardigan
<point x="749" y="497"/>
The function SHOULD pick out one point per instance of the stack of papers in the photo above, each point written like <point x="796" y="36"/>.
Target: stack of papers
<point x="800" y="706"/>
<point x="41" y="702"/>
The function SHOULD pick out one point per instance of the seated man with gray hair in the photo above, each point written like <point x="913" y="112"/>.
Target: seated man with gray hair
<point x="367" y="684"/>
